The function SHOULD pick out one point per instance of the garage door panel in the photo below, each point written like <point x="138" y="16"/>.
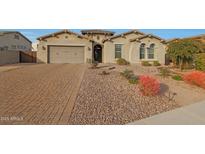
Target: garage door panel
<point x="66" y="54"/>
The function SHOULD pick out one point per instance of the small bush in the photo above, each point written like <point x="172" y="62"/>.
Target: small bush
<point x="146" y="63"/>
<point x="94" y="64"/>
<point x="133" y="79"/>
<point x="156" y="63"/>
<point x="149" y="86"/>
<point x="177" y="77"/>
<point x="122" y="61"/>
<point x="127" y="73"/>
<point x="164" y="72"/>
<point x="196" y="78"/>
<point x="104" y="73"/>
<point x="200" y="62"/>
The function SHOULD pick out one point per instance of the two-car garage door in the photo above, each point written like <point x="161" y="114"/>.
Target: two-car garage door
<point x="66" y="54"/>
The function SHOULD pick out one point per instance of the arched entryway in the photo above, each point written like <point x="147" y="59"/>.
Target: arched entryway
<point x="97" y="53"/>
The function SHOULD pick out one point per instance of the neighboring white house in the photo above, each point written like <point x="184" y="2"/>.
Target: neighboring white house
<point x="11" y="42"/>
<point x="14" y="41"/>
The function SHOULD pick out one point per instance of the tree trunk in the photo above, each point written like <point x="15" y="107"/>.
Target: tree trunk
<point x="181" y="64"/>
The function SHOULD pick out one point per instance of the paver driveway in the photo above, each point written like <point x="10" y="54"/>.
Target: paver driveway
<point x="39" y="94"/>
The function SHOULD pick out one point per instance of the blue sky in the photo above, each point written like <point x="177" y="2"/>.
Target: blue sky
<point x="32" y="34"/>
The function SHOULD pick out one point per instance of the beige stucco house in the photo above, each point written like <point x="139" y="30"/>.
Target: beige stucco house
<point x="100" y="45"/>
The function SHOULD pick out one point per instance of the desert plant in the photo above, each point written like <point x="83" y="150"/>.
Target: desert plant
<point x="94" y="64"/>
<point x="145" y="63"/>
<point x="149" y="86"/>
<point x="104" y="73"/>
<point x="200" y="62"/>
<point x="164" y="72"/>
<point x="121" y="61"/>
<point x="156" y="63"/>
<point x="183" y="51"/>
<point x="196" y="78"/>
<point x="133" y="79"/>
<point x="177" y="77"/>
<point x="127" y="73"/>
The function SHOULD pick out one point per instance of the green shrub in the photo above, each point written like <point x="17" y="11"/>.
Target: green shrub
<point x="146" y="63"/>
<point x="200" y="62"/>
<point x="156" y="63"/>
<point x="121" y="61"/>
<point x="127" y="73"/>
<point x="164" y="72"/>
<point x="133" y="79"/>
<point x="177" y="77"/>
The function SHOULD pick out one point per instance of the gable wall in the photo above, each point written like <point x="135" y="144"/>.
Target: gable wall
<point x="159" y="51"/>
<point x="95" y="37"/>
<point x="109" y="47"/>
<point x="71" y="40"/>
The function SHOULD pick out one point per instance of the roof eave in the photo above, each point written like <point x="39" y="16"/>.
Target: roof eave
<point x="60" y="32"/>
<point x="123" y="34"/>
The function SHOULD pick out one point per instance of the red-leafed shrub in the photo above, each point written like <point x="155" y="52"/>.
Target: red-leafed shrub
<point x="196" y="78"/>
<point x="149" y="86"/>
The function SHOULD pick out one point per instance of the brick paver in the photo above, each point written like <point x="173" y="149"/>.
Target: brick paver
<point x="39" y="94"/>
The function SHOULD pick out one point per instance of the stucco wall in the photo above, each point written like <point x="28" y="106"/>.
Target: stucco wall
<point x="159" y="50"/>
<point x="9" y="57"/>
<point x="109" y="47"/>
<point x="65" y="39"/>
<point x="97" y="37"/>
<point x="21" y="44"/>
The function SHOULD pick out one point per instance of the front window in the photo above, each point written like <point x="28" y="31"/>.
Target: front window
<point x="150" y="52"/>
<point x="6" y="48"/>
<point x="142" y="51"/>
<point x="13" y="46"/>
<point x="118" y="50"/>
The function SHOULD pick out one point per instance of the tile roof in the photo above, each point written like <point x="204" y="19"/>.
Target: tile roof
<point x="97" y="31"/>
<point x="61" y="32"/>
<point x="122" y="34"/>
<point x="148" y="35"/>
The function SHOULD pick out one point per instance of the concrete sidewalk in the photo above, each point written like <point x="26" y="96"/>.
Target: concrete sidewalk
<point x="188" y="115"/>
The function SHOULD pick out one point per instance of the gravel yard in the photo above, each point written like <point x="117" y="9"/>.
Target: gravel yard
<point x="186" y="94"/>
<point x="110" y="99"/>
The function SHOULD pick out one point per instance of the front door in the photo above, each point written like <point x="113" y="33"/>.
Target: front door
<point x="97" y="53"/>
